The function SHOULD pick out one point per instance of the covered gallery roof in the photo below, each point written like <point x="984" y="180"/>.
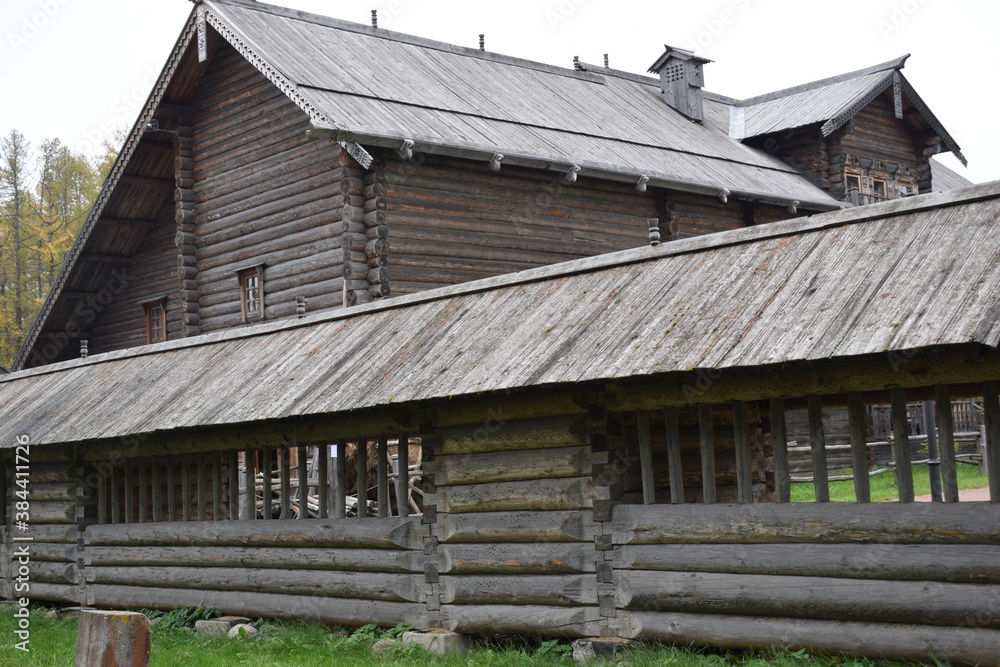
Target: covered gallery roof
<point x="888" y="277"/>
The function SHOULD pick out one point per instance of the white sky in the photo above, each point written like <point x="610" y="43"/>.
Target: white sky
<point x="73" y="69"/>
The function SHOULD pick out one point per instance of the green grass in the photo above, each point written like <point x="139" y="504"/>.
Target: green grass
<point x="281" y="644"/>
<point x="883" y="486"/>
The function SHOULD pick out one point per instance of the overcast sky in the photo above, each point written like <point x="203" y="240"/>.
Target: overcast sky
<point x="74" y="68"/>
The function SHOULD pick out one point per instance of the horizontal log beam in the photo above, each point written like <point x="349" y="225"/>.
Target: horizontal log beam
<point x="516" y="527"/>
<point x="128" y="223"/>
<point x="549" y="621"/>
<point x="517" y="589"/>
<point x="107" y="259"/>
<point x="537" y="558"/>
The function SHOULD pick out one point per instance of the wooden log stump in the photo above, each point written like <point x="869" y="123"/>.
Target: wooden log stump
<point x="112" y="639"/>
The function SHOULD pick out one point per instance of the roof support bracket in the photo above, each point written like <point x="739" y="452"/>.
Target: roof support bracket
<point x="406" y="150"/>
<point x="640" y="185"/>
<point x="897" y="95"/>
<point x="495" y="161"/>
<point x="570" y="175"/>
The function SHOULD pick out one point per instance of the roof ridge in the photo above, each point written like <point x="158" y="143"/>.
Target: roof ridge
<point x="895" y="64"/>
<point x="638" y="255"/>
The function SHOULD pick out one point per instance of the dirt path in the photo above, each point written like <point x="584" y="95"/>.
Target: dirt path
<point x="963" y="495"/>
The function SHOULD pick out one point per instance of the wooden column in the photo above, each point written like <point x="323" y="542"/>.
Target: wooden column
<point x="340" y="492"/>
<point x="779" y="440"/>
<point x="217" y="486"/>
<point x="817" y="443"/>
<point x="354" y="233"/>
<point x="184" y="239"/>
<point x="403" y="478"/>
<point x="157" y="490"/>
<point x="285" y="493"/>
<point x="185" y="487"/>
<point x="741" y="436"/>
<point x="377" y="234"/>
<point x="266" y="471"/>
<point x="233" y="465"/>
<point x="946" y="442"/>
<point x="303" y="475"/>
<point x="706" y="438"/>
<point x="674" y="469"/>
<point x="128" y="495"/>
<point x="115" y="507"/>
<point x="171" y="488"/>
<point x="102" y="495"/>
<point x="202" y="487"/>
<point x="382" y="472"/>
<point x="646" y="458"/>
<point x="249" y="486"/>
<point x="991" y="405"/>
<point x="362" y="452"/>
<point x="901" y="446"/>
<point x="859" y="446"/>
<point x="323" y="481"/>
<point x="143" y="491"/>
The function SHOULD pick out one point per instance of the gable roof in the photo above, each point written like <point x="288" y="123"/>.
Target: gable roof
<point x="832" y="101"/>
<point x="797" y="296"/>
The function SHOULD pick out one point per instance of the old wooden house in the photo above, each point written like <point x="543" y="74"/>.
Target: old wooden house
<point x="299" y="257"/>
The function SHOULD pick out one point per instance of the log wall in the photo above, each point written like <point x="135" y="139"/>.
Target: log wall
<point x="264" y="194"/>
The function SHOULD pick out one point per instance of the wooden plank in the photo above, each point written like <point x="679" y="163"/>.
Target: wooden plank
<point x="68" y="593"/>
<point x="957" y="563"/>
<point x="102" y="495"/>
<point x="645" y="457"/>
<point x="898" y="641"/>
<point x="129" y="506"/>
<point x="901" y="446"/>
<point x="362" y="457"/>
<point x="267" y="470"/>
<point x="517" y="527"/>
<point x="806" y="597"/>
<point x="483" y="468"/>
<point x="116" y="513"/>
<point x="741" y="435"/>
<point x="382" y="474"/>
<point x="888" y="523"/>
<point x="516" y="434"/>
<point x="216" y="485"/>
<point x="285" y="483"/>
<point x="547" y="620"/>
<point x="403" y="478"/>
<point x="303" y="480"/>
<point x="946" y="442"/>
<point x="202" y="487"/>
<point x="323" y="480"/>
<point x="817" y="443"/>
<point x="157" y="489"/>
<point x="569" y="590"/>
<point x="185" y="487"/>
<point x="143" y="490"/>
<point x="519" y="559"/>
<point x="674" y="467"/>
<point x="340" y="492"/>
<point x="991" y="450"/>
<point x="233" y="468"/>
<point x="171" y="488"/>
<point x="779" y="440"/>
<point x="536" y="494"/>
<point x="706" y="438"/>
<point x="859" y="447"/>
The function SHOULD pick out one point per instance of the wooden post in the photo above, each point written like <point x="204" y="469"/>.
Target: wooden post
<point x="157" y="491"/>
<point x="779" y="441"/>
<point x="646" y="458"/>
<point x="303" y="475"/>
<point x="202" y="487"/>
<point x="112" y="639"/>
<point x="168" y="464"/>
<point x="674" y="469"/>
<point x="403" y="478"/>
<point x="991" y="448"/>
<point x="741" y="437"/>
<point x="285" y="493"/>
<point x="901" y="445"/>
<point x="817" y="443"/>
<point x="142" y="491"/>
<point x="859" y="446"/>
<point x="340" y="492"/>
<point x="946" y="442"/>
<point x="382" y="473"/>
<point x="102" y="496"/>
<point x="361" y="448"/>
<point x="250" y="486"/>
<point x="129" y="505"/>
<point x="234" y="485"/>
<point x="266" y="455"/>
<point x="706" y="436"/>
<point x="185" y="487"/>
<point x="323" y="475"/>
<point x="217" y="486"/>
<point x="115" y="508"/>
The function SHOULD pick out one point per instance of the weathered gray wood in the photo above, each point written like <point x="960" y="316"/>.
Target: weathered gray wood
<point x="267" y="470"/>
<point x="112" y="639"/>
<point x="202" y="487"/>
<point x="50" y="533"/>
<point x="817" y="443"/>
<point x="354" y="585"/>
<point x="217" y="485"/>
<point x="43" y="591"/>
<point x="991" y="450"/>
<point x="285" y="489"/>
<point x="514" y="589"/>
<point x="540" y="494"/>
<point x="515" y="527"/>
<point x="334" y="611"/>
<point x="888" y="523"/>
<point x="52" y="553"/>
<point x="323" y="480"/>
<point x="185" y="487"/>
<point x="53" y="511"/>
<point x="382" y="476"/>
<point x="859" y="446"/>
<point x="706" y="436"/>
<point x="741" y="435"/>
<point x="779" y="439"/>
<point x="946" y="442"/>
<point x="966" y="563"/>
<point x="520" y="559"/>
<point x="901" y="446"/>
<point x="303" y="482"/>
<point x="281" y="558"/>
<point x="898" y="641"/>
<point x="233" y="470"/>
<point x="54" y="573"/>
<point x="548" y="620"/>
<point x="113" y="477"/>
<point x="807" y="597"/>
<point x="340" y="491"/>
<point x="129" y="505"/>
<point x="102" y="496"/>
<point x="403" y="477"/>
<point x="143" y="490"/>
<point x="170" y="489"/>
<point x="362" y="452"/>
<point x="391" y="533"/>
<point x="496" y="466"/>
<point x="157" y="495"/>
<point x="675" y="469"/>
<point x="249" y="486"/>
<point x="645" y="458"/>
<point x="515" y="435"/>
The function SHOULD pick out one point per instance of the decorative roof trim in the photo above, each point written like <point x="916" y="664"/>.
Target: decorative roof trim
<point x="932" y="120"/>
<point x="110" y="185"/>
<point x="848" y="112"/>
<point x="896" y="64"/>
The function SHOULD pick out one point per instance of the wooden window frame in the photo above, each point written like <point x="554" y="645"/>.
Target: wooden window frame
<point x="245" y="277"/>
<point x="150" y="308"/>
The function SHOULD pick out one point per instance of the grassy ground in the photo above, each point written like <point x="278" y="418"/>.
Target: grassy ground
<point x="306" y="645"/>
<point x="883" y="486"/>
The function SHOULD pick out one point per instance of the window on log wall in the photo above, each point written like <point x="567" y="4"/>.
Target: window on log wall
<point x="304" y="482"/>
<point x="252" y="293"/>
<point x="826" y="446"/>
<point x="156" y="321"/>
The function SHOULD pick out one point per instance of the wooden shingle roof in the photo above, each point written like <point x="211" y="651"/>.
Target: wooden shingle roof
<point x="889" y="277"/>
